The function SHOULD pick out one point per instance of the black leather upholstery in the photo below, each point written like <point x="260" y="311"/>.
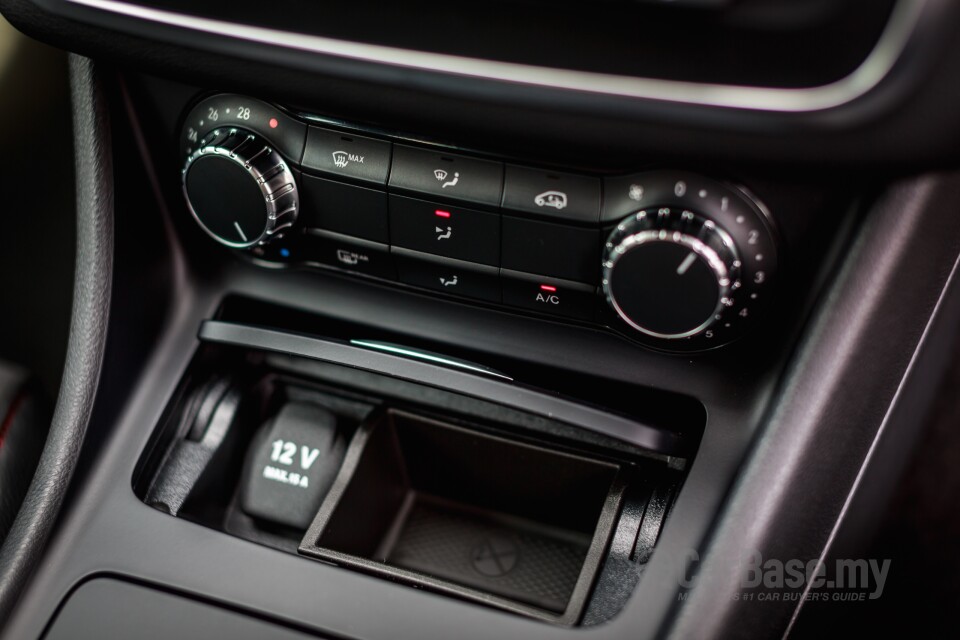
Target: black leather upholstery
<point x="91" y="301"/>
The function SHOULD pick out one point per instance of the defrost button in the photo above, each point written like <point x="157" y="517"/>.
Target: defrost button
<point x="347" y="156"/>
<point x="447" y="176"/>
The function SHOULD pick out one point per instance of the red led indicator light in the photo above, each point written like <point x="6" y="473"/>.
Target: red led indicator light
<point x="442" y="214"/>
<point x="547" y="287"/>
<point x="274" y="123"/>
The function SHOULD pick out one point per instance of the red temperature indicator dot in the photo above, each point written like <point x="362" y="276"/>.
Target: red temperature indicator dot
<point x="274" y="123"/>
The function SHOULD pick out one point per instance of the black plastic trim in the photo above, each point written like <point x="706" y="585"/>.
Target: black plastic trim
<point x="904" y="119"/>
<point x="847" y="378"/>
<point x="873" y="70"/>
<point x="510" y="395"/>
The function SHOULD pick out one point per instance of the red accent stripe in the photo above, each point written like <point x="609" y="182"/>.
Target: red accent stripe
<point x="11" y="414"/>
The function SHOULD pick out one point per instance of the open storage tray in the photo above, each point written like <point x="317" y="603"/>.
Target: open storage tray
<point x="457" y="478"/>
<point x="497" y="521"/>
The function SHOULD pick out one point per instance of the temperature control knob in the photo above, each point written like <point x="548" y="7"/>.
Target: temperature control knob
<point x="240" y="190"/>
<point x="691" y="264"/>
<point x="669" y="272"/>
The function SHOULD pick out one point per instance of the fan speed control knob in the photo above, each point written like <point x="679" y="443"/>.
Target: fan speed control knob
<point x="670" y="273"/>
<point x="239" y="189"/>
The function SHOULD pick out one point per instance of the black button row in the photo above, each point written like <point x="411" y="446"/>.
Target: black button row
<point x="452" y="177"/>
<point x="456" y="277"/>
<point x="551" y="296"/>
<point x="346" y="156"/>
<point x="456" y="178"/>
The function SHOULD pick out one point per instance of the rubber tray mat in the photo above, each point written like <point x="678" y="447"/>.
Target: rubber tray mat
<point x="502" y="555"/>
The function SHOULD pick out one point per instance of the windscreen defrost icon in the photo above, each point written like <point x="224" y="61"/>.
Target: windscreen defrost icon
<point x="343" y="158"/>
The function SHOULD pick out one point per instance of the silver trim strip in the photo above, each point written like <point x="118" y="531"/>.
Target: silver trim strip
<point x="904" y="19"/>
<point x="502" y="392"/>
<point x="888" y="417"/>
<point x="409" y="352"/>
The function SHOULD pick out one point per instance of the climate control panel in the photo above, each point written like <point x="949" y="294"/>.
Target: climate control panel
<point x="673" y="259"/>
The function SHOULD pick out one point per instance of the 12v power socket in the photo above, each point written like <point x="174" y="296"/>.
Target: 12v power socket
<point x="291" y="464"/>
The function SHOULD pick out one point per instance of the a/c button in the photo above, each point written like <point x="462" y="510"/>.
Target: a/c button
<point x="548" y="295"/>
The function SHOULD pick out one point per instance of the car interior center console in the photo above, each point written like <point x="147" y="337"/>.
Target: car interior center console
<point x="413" y="335"/>
<point x="311" y="447"/>
<point x="527" y="480"/>
<point x="684" y="262"/>
<point x="416" y="363"/>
